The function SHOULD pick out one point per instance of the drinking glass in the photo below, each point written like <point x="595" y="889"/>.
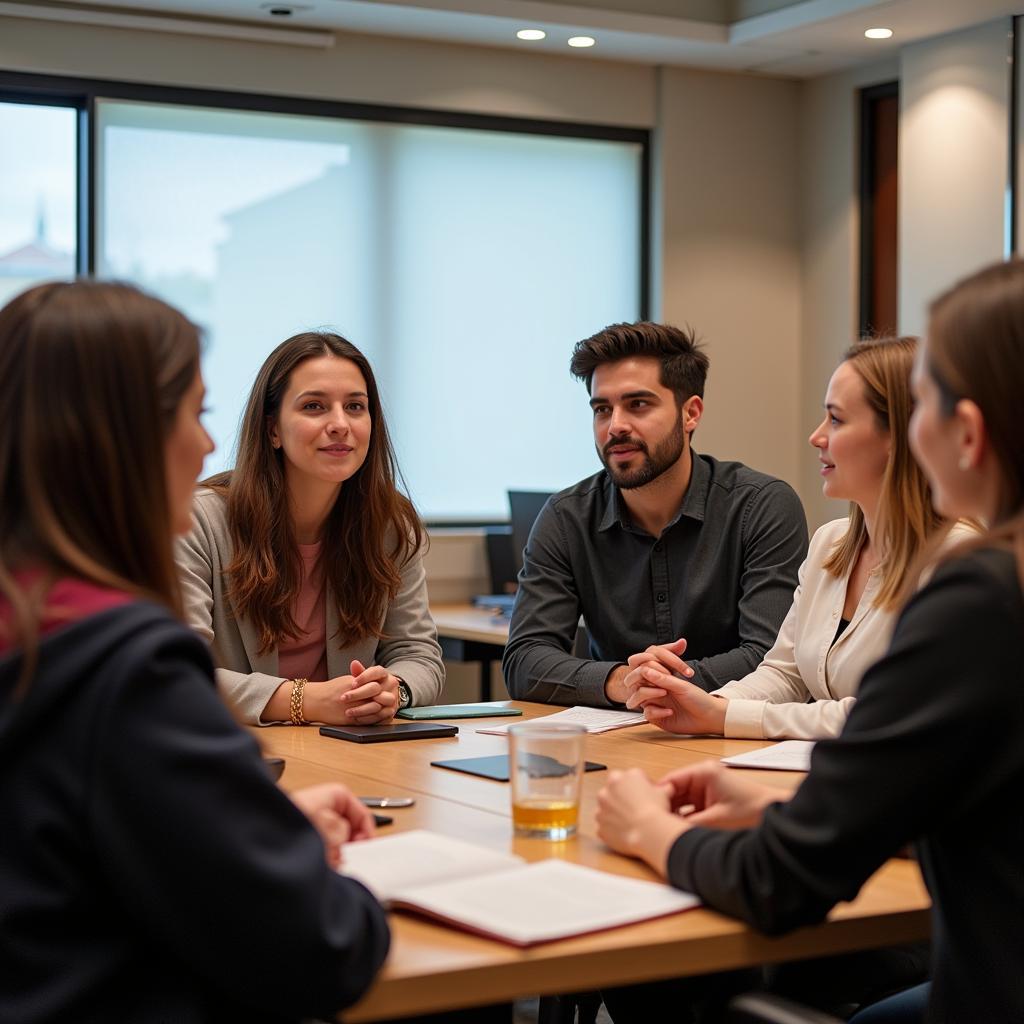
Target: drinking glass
<point x="546" y="768"/>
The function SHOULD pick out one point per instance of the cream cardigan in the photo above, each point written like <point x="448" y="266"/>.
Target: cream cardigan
<point x="804" y="664"/>
<point x="247" y="679"/>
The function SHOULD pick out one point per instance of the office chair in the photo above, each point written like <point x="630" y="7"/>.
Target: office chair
<point x="760" y="1008"/>
<point x="563" y="1009"/>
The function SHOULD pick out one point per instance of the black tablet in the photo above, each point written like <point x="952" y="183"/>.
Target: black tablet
<point x="496" y="767"/>
<point x="385" y="733"/>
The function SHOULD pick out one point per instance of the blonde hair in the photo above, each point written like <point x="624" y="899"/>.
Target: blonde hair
<point x="906" y="518"/>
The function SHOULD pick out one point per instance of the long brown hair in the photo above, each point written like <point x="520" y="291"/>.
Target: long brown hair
<point x="906" y="518"/>
<point x="91" y="376"/>
<point x="976" y="351"/>
<point x="370" y="533"/>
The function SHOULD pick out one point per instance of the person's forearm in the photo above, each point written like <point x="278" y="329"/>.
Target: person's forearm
<point x="718" y="669"/>
<point x="655" y="837"/>
<point x="615" y="685"/>
<point x="278" y="708"/>
<point x="316" y="704"/>
<point x="540" y="671"/>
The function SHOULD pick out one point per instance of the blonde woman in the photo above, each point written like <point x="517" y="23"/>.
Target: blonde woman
<point x="844" y="607"/>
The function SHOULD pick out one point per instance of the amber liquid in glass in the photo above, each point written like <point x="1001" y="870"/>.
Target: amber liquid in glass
<point x="553" y="818"/>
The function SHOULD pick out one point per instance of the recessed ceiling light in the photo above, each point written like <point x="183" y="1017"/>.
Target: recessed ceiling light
<point x="879" y="33"/>
<point x="530" y="34"/>
<point x="284" y="9"/>
<point x="582" y="41"/>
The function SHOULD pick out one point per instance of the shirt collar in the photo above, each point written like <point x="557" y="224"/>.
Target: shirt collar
<point x="696" y="498"/>
<point x="694" y="501"/>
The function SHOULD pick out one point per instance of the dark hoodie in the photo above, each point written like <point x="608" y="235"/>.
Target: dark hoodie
<point x="149" y="869"/>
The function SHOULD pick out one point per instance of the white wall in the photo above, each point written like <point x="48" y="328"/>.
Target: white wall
<point x="954" y="145"/>
<point x="729" y="245"/>
<point x="830" y="226"/>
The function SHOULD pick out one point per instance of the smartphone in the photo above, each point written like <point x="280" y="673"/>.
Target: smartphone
<point x="382" y="819"/>
<point x="387" y="801"/>
<point x="384" y="733"/>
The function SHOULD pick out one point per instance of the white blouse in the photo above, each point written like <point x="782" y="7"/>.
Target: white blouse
<point x="805" y="665"/>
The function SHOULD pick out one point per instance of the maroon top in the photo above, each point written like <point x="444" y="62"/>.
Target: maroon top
<point x="69" y="600"/>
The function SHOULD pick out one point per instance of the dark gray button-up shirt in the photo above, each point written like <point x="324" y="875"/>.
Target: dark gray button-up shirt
<point x="722" y="574"/>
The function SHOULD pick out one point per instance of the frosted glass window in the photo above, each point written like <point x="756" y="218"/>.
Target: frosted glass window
<point x="37" y="195"/>
<point x="465" y="263"/>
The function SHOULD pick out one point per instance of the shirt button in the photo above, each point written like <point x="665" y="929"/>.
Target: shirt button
<point x="661" y="598"/>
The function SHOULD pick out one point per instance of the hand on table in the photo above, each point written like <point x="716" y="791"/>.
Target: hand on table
<point x="718" y="796"/>
<point x="373" y="699"/>
<point x="635" y="817"/>
<point x="336" y="814"/>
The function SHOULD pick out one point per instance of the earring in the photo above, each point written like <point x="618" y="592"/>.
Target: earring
<point x="964" y="463"/>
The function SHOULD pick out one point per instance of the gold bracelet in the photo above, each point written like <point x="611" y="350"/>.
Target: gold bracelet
<point x="295" y="705"/>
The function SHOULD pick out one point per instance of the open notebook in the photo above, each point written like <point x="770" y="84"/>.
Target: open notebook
<point x="499" y="895"/>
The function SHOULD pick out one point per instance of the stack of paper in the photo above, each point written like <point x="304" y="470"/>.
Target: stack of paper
<point x="788" y="756"/>
<point x="592" y="719"/>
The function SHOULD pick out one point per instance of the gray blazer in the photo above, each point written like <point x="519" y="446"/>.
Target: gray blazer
<point x="247" y="680"/>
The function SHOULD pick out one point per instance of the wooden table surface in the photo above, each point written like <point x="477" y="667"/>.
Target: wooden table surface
<point x="432" y="968"/>
<point x="466" y="622"/>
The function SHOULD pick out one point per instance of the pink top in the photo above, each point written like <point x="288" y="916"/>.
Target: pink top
<point x="306" y="657"/>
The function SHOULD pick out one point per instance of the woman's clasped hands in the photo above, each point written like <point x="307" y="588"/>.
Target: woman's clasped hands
<point x="368" y="696"/>
<point x="658" y="684"/>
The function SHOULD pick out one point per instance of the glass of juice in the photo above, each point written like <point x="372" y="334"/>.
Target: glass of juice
<point x="546" y="766"/>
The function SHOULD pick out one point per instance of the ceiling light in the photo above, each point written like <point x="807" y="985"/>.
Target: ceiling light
<point x="582" y="41"/>
<point x="280" y="9"/>
<point x="879" y="33"/>
<point x="530" y="34"/>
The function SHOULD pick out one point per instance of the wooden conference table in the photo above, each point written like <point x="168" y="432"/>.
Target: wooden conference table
<point x="433" y="968"/>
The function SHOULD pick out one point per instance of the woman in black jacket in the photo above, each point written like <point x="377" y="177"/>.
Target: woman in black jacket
<point x="150" y="870"/>
<point x="932" y="752"/>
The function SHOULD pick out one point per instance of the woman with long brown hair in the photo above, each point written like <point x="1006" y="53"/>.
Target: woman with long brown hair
<point x="149" y="868"/>
<point x="931" y="752"/>
<point x="304" y="567"/>
<point x="845" y="606"/>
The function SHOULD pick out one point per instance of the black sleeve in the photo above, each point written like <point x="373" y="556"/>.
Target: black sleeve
<point x="892" y="775"/>
<point x="774" y="548"/>
<point x="207" y="853"/>
<point x="538" y="662"/>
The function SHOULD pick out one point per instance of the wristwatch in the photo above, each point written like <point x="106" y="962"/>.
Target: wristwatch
<point x="404" y="695"/>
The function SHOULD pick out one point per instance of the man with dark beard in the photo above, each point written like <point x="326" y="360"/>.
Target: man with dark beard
<point x="662" y="547"/>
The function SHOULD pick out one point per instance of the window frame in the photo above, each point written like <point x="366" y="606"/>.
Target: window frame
<point x="47" y="91"/>
<point x="83" y="94"/>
